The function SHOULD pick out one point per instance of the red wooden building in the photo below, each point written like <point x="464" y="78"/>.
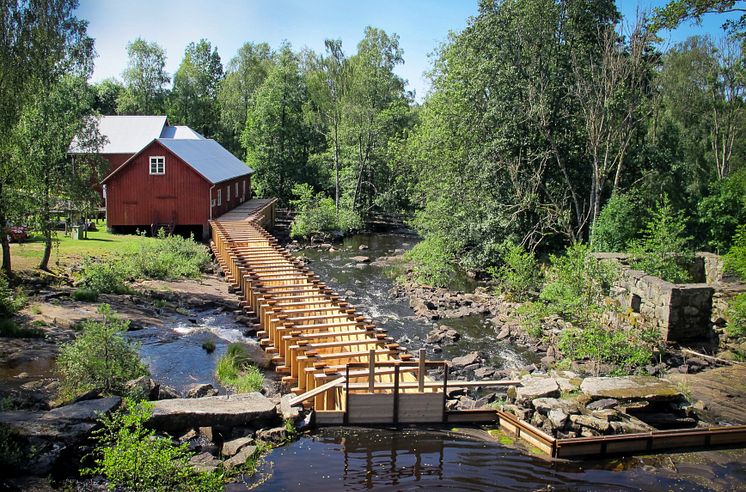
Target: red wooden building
<point x="175" y="183"/>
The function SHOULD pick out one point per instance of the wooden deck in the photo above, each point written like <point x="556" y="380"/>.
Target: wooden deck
<point x="351" y="372"/>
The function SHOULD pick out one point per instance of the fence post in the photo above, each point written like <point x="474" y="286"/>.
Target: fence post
<point x="421" y="372"/>
<point x="371" y="370"/>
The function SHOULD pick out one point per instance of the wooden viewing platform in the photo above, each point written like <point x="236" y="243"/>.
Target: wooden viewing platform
<point x="349" y="371"/>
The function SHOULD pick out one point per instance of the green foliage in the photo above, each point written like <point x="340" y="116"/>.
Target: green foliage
<point x="663" y="248"/>
<point x="519" y="275"/>
<point x="236" y="370"/>
<point x="145" y="79"/>
<point x="723" y="210"/>
<point x="208" y="346"/>
<point x="626" y="350"/>
<point x="576" y="284"/>
<point x="432" y="261"/>
<point x="11" y="454"/>
<point x="99" y="358"/>
<point x="9" y="328"/>
<point x="132" y="457"/>
<point x="85" y="294"/>
<point x="11" y="301"/>
<point x="317" y="214"/>
<point x="530" y="318"/>
<point x="107" y="277"/>
<point x="616" y="225"/>
<point x="736" y="314"/>
<point x="735" y="259"/>
<point x="170" y="257"/>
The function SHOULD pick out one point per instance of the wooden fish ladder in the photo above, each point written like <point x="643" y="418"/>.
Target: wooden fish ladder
<point x="337" y="361"/>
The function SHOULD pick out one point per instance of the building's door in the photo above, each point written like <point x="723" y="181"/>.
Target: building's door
<point x="130" y="211"/>
<point x="167" y="211"/>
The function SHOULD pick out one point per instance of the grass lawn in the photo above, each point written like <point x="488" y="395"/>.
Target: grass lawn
<point x="26" y="256"/>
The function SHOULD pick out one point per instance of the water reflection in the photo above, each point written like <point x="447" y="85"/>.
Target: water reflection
<point x="383" y="459"/>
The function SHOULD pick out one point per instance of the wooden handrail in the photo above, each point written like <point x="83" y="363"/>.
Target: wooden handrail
<point x="317" y="391"/>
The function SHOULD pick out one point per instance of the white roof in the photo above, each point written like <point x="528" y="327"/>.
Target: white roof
<point x="208" y="158"/>
<point x="181" y="132"/>
<point x="126" y="134"/>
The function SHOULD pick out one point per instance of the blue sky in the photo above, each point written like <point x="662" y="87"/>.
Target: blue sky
<point x="227" y="24"/>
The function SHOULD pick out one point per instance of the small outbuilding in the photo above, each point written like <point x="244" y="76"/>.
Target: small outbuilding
<point x="175" y="184"/>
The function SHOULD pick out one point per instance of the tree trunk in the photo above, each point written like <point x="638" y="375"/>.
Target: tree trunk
<point x="47" y="231"/>
<point x="336" y="166"/>
<point x="4" y="237"/>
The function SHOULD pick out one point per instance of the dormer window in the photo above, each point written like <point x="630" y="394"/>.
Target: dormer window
<point x="157" y="165"/>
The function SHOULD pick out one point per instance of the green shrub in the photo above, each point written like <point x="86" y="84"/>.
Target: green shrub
<point x="519" y="275"/>
<point x="169" y="257"/>
<point x="616" y="225"/>
<point x="85" y="294"/>
<point x="663" y="249"/>
<point x="626" y="350"/>
<point x="132" y="457"/>
<point x="735" y="259"/>
<point x="208" y="346"/>
<point x="736" y="315"/>
<point x="530" y="318"/>
<point x="432" y="261"/>
<point x="721" y="212"/>
<point x="100" y="358"/>
<point x="11" y="301"/>
<point x="317" y="214"/>
<point x="106" y="277"/>
<point x="576" y="284"/>
<point x="10" y="451"/>
<point x="9" y="328"/>
<point x="236" y="370"/>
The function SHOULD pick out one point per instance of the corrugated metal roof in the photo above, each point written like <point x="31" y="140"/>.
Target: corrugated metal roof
<point x="127" y="134"/>
<point x="208" y="158"/>
<point x="181" y="132"/>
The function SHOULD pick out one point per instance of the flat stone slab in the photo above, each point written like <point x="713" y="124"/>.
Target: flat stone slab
<point x="68" y="422"/>
<point x="228" y="410"/>
<point x="630" y="388"/>
<point x="533" y="387"/>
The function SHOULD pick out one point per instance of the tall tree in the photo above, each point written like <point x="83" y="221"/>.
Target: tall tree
<point x="144" y="79"/>
<point x="245" y="74"/>
<point x="41" y="40"/>
<point x="677" y="11"/>
<point x="276" y="133"/>
<point x="193" y="100"/>
<point x="327" y="82"/>
<point x="53" y="119"/>
<point x="107" y="93"/>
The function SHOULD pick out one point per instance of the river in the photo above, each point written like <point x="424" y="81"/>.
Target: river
<point x="416" y="459"/>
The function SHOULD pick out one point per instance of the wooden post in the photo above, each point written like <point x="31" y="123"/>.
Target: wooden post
<point x="346" y="418"/>
<point x="421" y="372"/>
<point x="445" y="389"/>
<point x="371" y="370"/>
<point x="396" y="394"/>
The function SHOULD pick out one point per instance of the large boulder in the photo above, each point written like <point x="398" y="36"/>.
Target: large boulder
<point x="240" y="458"/>
<point x="466" y="360"/>
<point x="631" y="388"/>
<point x="536" y="387"/>
<point x="229" y="410"/>
<point x="200" y="390"/>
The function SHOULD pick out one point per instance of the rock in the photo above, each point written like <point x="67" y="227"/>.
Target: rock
<point x="167" y="393"/>
<point x="360" y="259"/>
<point x="230" y="448"/>
<point x="604" y="404"/>
<point x="590" y="422"/>
<point x="536" y="387"/>
<point x="201" y="390"/>
<point x="629" y="426"/>
<point x="485" y="400"/>
<point x="545" y="405"/>
<point x="275" y="435"/>
<point x="240" y="458"/>
<point x="442" y="334"/>
<point x="504" y="332"/>
<point x="288" y="412"/>
<point x="630" y="388"/>
<point x="558" y="418"/>
<point x="229" y="411"/>
<point x="484" y="372"/>
<point x="205" y="463"/>
<point x="471" y="367"/>
<point x="455" y="391"/>
<point x="362" y="247"/>
<point x="465" y="360"/>
<point x="520" y="412"/>
<point x="206" y="433"/>
<point x="144" y="387"/>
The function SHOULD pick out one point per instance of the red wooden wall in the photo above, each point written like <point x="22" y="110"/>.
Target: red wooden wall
<point x="182" y="196"/>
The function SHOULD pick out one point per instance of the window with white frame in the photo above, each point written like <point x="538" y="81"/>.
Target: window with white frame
<point x="220" y="197"/>
<point x="228" y="193"/>
<point x="157" y="164"/>
<point x="236" y="189"/>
